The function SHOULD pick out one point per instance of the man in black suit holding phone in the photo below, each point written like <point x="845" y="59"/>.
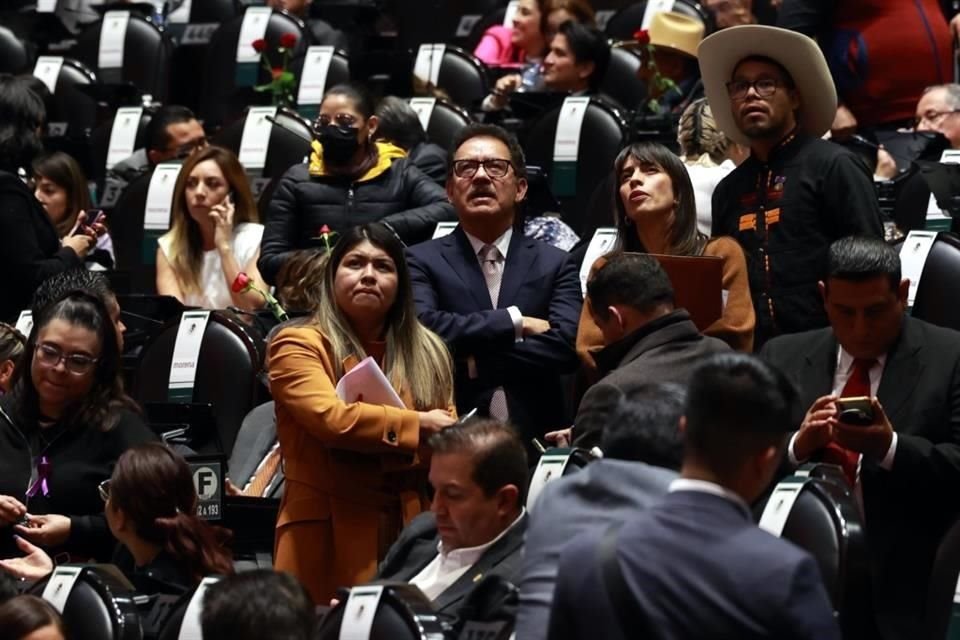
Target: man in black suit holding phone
<point x="905" y="465"/>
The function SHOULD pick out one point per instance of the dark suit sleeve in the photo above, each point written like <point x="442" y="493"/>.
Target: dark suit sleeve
<point x="595" y="409"/>
<point x="565" y="601"/>
<point x="552" y="349"/>
<point x="807" y="612"/>
<point x="279" y="233"/>
<point x="719" y="204"/>
<point x="427" y="205"/>
<point x="461" y="332"/>
<point x="809" y="17"/>
<point x="850" y="199"/>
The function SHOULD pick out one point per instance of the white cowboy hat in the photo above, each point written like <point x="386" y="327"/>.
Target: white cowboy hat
<point x="676" y="31"/>
<point x="720" y="53"/>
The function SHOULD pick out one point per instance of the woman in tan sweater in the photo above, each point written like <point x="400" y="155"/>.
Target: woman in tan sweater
<point x="656" y="213"/>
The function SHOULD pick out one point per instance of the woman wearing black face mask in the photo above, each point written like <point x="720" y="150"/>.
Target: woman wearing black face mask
<point x="350" y="180"/>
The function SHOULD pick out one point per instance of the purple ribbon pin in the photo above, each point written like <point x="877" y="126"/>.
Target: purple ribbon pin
<point x="43" y="474"/>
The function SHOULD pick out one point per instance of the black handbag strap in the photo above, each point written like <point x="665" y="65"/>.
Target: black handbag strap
<point x="631" y="620"/>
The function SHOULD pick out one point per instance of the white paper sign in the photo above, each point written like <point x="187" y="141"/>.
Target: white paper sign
<point x="466" y="24"/>
<point x="913" y="255"/>
<point x="253" y="27"/>
<point x="190" y="627"/>
<point x="444" y="228"/>
<point x="550" y="467"/>
<point x="359" y="612"/>
<point x="566" y="144"/>
<point x="182" y="14"/>
<point x="936" y="218"/>
<point x="603" y="17"/>
<point x="46" y="6"/>
<point x="427" y="65"/>
<point x="313" y="78"/>
<point x="199" y="33"/>
<point x="511" y="11"/>
<point x="424" y="109"/>
<point x="123" y="135"/>
<point x="113" y="33"/>
<point x="25" y="322"/>
<point x="602" y="243"/>
<point x="186" y="350"/>
<point x="778" y="508"/>
<point x="47" y="69"/>
<point x="654" y="7"/>
<point x="60" y="585"/>
<point x="256" y="137"/>
<point x="156" y="216"/>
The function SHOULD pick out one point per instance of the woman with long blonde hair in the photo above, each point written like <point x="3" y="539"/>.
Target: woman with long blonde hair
<point x="354" y="466"/>
<point x="215" y="234"/>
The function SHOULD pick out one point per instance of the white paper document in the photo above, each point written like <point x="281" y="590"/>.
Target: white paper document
<point x="566" y="144"/>
<point x="313" y="79"/>
<point x="253" y="27"/>
<point x="913" y="256"/>
<point x="423" y="107"/>
<point x="113" y="34"/>
<point x="47" y="69"/>
<point x="366" y="380"/>
<point x="123" y="134"/>
<point x="427" y="65"/>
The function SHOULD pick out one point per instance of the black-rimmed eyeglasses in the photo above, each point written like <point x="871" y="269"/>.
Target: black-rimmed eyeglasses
<point x="493" y="167"/>
<point x="764" y="87"/>
<point x="49" y="355"/>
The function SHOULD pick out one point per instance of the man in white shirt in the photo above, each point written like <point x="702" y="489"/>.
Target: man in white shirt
<point x="478" y="470"/>
<point x="906" y="464"/>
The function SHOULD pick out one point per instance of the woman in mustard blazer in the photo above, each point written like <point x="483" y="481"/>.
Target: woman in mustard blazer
<point x="354" y="470"/>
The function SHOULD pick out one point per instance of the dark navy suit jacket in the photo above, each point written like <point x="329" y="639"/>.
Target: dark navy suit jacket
<point x="698" y="568"/>
<point x="452" y="299"/>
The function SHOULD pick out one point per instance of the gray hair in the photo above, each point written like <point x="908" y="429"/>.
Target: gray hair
<point x="952" y="90"/>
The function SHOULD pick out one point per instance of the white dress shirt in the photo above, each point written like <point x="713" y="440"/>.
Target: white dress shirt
<point x="502" y="243"/>
<point x="703" y="486"/>
<point x="448" y="566"/>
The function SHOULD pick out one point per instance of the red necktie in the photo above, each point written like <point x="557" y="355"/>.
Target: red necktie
<point x="858" y="384"/>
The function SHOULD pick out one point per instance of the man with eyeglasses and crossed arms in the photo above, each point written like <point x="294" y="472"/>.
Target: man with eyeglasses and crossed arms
<point x="506" y="305"/>
<point x="771" y="89"/>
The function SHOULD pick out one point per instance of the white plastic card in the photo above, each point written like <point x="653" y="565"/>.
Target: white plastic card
<point x="25" y="322"/>
<point x="936" y="218"/>
<point x="60" y="585"/>
<point x="602" y="243"/>
<point x="190" y="627"/>
<point x="653" y="8"/>
<point x="424" y="109"/>
<point x="427" y="65"/>
<point x="359" y="612"/>
<point x="256" y="137"/>
<point x="113" y="33"/>
<point x="253" y="27"/>
<point x="186" y="351"/>
<point x="444" y="228"/>
<point x="566" y="144"/>
<point x="182" y="13"/>
<point x="313" y="78"/>
<point x="550" y="467"/>
<point x="913" y="256"/>
<point x="156" y="216"/>
<point x="123" y="135"/>
<point x="47" y="70"/>
<point x="780" y="504"/>
<point x="46" y="6"/>
<point x="511" y="11"/>
<point x="466" y="24"/>
<point x="199" y="33"/>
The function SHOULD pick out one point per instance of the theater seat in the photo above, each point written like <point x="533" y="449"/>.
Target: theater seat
<point x="100" y="605"/>
<point x="489" y="610"/>
<point x="446" y="121"/>
<point x="70" y="104"/>
<point x="403" y="613"/>
<point x="229" y="364"/>
<point x="943" y="587"/>
<point x="463" y="77"/>
<point x="625" y="22"/>
<point x="553" y="464"/>
<point x="100" y="144"/>
<point x="288" y="145"/>
<point x="14" y="56"/>
<point x="620" y="83"/>
<point x="934" y="302"/>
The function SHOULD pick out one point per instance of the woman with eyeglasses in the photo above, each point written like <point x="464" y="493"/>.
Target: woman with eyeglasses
<point x="351" y="179"/>
<point x="30" y="248"/>
<point x="151" y="509"/>
<point x="215" y="234"/>
<point x="354" y="468"/>
<point x="63" y="426"/>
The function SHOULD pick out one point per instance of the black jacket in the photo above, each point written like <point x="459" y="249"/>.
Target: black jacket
<point x="30" y="250"/>
<point x="394" y="192"/>
<point x="79" y="458"/>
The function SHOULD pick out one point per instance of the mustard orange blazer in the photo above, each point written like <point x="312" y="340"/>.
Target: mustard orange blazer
<point x="352" y="470"/>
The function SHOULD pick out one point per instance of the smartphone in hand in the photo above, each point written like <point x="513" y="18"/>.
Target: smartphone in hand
<point x="856" y="410"/>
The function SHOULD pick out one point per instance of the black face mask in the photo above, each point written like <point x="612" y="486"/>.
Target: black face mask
<point x="339" y="143"/>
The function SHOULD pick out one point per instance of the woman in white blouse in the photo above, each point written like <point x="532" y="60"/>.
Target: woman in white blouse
<point x="214" y="237"/>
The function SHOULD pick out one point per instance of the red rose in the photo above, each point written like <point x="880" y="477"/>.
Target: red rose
<point x="288" y="41"/>
<point x="241" y="283"/>
<point x="276" y="72"/>
<point x="642" y="36"/>
<point x="324" y="230"/>
<point x="259" y="45"/>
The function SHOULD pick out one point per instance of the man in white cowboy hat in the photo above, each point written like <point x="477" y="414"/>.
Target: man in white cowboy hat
<point x="674" y="38"/>
<point x="770" y="89"/>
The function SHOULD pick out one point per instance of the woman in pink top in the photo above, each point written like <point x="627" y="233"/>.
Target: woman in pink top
<point x="503" y="45"/>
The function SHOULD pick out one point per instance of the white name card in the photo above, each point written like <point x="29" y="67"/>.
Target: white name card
<point x="123" y="135"/>
<point x="936" y="219"/>
<point x="113" y="33"/>
<point x="778" y="508"/>
<point x="47" y="70"/>
<point x="359" y="612"/>
<point x="427" y="65"/>
<point x="603" y="241"/>
<point x="256" y="137"/>
<point x="313" y="78"/>
<point x="253" y="27"/>
<point x="566" y="144"/>
<point x="913" y="256"/>
<point x="551" y="466"/>
<point x="444" y="228"/>
<point x="186" y="352"/>
<point x="424" y="109"/>
<point x="25" y="322"/>
<point x="156" y="216"/>
<point x="60" y="584"/>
